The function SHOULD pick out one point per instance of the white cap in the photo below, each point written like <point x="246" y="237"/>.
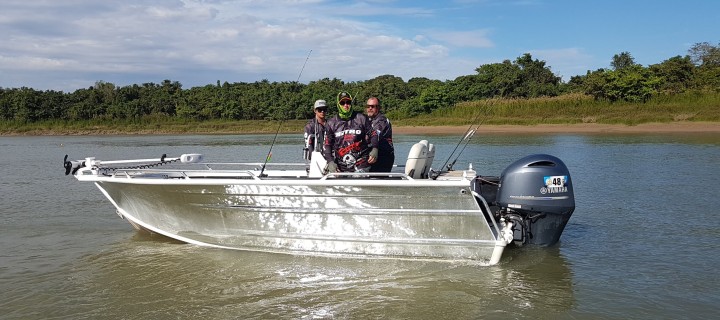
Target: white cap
<point x="320" y="104"/>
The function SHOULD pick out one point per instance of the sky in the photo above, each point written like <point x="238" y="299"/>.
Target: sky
<point x="71" y="44"/>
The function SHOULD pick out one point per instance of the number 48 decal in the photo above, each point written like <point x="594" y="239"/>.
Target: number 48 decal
<point x="555" y="181"/>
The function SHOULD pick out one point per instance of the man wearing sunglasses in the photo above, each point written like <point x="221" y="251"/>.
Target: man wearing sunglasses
<point x="351" y="145"/>
<point x="315" y="129"/>
<point x="383" y="129"/>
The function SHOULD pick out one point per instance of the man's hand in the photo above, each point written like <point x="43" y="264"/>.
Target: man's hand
<point x="330" y="167"/>
<point x="373" y="156"/>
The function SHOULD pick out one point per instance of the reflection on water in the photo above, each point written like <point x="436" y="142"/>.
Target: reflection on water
<point x="149" y="279"/>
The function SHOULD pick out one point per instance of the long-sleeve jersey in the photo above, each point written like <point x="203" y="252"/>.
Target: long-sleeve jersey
<point x="383" y="129"/>
<point x="314" y="137"/>
<point x="386" y="155"/>
<point x="348" y="142"/>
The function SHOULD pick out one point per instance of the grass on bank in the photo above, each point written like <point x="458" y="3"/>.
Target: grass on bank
<point x="565" y="109"/>
<point x="148" y="125"/>
<point x="576" y="108"/>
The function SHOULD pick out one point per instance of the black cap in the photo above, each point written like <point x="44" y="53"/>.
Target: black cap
<point x="344" y="96"/>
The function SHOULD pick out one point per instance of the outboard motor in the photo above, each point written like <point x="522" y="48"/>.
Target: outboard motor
<point x="536" y="194"/>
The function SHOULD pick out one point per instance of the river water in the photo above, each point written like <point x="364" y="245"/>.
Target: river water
<point x="643" y="242"/>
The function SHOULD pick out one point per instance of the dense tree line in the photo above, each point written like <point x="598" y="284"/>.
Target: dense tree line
<point x="523" y="78"/>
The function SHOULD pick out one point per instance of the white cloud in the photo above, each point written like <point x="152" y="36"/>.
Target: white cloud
<point x="32" y="63"/>
<point x="471" y="38"/>
<point x="121" y="41"/>
<point x="61" y="44"/>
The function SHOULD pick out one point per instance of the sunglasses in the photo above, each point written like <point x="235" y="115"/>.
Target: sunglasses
<point x="372" y="106"/>
<point x="345" y="102"/>
<point x="323" y="110"/>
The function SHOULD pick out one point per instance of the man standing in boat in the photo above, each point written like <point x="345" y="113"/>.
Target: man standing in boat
<point x="351" y="145"/>
<point x="383" y="129"/>
<point x="315" y="129"/>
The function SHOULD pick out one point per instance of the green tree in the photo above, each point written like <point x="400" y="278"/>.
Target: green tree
<point x="433" y="97"/>
<point x="5" y="107"/>
<point x="391" y="91"/>
<point x="500" y="79"/>
<point x="707" y="58"/>
<point x="86" y="104"/>
<point x="524" y="78"/>
<point x="576" y="83"/>
<point x="633" y="83"/>
<point x="414" y="102"/>
<point x="26" y="104"/>
<point x="536" y="79"/>
<point x="469" y="88"/>
<point x="676" y="74"/>
<point x="622" y="60"/>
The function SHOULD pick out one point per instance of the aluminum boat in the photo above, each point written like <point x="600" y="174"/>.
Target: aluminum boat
<point x="415" y="213"/>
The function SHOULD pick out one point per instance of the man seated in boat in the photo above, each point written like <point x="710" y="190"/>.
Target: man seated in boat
<point x="351" y="145"/>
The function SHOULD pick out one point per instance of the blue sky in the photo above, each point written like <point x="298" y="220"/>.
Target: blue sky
<point x="71" y="44"/>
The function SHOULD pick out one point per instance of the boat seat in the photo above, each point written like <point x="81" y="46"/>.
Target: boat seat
<point x="420" y="159"/>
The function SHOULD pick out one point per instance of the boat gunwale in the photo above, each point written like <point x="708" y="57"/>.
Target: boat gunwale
<point x="284" y="182"/>
<point x="209" y="176"/>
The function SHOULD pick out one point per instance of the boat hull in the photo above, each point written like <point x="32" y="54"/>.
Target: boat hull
<point x="375" y="220"/>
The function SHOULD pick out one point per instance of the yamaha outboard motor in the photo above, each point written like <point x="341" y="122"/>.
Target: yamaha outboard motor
<point x="536" y="193"/>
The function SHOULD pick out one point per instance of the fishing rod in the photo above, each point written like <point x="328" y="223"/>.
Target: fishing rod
<point x="466" y="137"/>
<point x="303" y="67"/>
<point x="269" y="155"/>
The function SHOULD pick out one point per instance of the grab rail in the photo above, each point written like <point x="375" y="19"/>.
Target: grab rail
<point x="487" y="211"/>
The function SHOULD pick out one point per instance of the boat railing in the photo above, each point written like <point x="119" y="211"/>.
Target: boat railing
<point x="193" y="166"/>
<point x="242" y="171"/>
<point x="396" y="175"/>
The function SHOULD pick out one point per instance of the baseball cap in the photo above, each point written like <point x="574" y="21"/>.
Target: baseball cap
<point x="320" y="104"/>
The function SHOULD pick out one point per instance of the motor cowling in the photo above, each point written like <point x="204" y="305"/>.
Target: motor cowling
<point x="536" y="193"/>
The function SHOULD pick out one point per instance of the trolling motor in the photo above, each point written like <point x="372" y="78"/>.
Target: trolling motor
<point x="72" y="166"/>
